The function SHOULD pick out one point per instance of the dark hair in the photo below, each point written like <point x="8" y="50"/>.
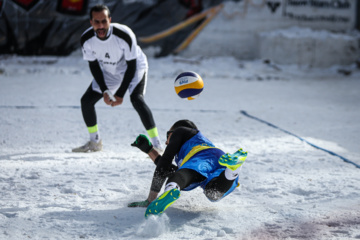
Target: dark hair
<point x="183" y="123"/>
<point x="99" y="8"/>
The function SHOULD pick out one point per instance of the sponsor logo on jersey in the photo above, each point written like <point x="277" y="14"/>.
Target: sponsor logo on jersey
<point x="105" y="62"/>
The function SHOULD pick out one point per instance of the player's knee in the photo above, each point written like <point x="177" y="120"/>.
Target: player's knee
<point x="83" y="100"/>
<point x="136" y="97"/>
<point x="137" y="100"/>
<point x="213" y="195"/>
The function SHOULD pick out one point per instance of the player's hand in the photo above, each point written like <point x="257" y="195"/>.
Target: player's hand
<point x="143" y="143"/>
<point x="118" y="101"/>
<point x="145" y="203"/>
<point x="107" y="98"/>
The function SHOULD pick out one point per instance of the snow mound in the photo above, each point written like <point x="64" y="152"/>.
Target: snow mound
<point x="307" y="47"/>
<point x="154" y="226"/>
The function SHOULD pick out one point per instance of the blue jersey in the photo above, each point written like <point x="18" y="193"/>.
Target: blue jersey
<point x="201" y="155"/>
<point x="195" y="144"/>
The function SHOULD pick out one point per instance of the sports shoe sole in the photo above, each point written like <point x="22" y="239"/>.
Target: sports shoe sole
<point x="233" y="161"/>
<point x="158" y="206"/>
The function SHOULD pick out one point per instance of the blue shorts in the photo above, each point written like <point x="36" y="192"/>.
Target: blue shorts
<point x="206" y="163"/>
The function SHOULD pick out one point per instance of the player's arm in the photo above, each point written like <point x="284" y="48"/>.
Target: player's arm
<point x="99" y="78"/>
<point x="143" y="143"/>
<point x="129" y="75"/>
<point x="157" y="182"/>
<point x="98" y="74"/>
<point x="164" y="166"/>
<point x="160" y="175"/>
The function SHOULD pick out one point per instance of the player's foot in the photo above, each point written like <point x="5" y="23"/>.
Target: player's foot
<point x="139" y="204"/>
<point x="233" y="161"/>
<point x="90" y="146"/>
<point x="163" y="202"/>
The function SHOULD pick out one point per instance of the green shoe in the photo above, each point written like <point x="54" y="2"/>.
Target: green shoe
<point x="233" y="161"/>
<point x="158" y="206"/>
<point x="139" y="204"/>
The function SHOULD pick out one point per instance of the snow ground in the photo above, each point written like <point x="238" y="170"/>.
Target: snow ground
<point x="289" y="190"/>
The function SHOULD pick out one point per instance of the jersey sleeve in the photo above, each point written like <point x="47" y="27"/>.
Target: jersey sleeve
<point x="88" y="54"/>
<point x="127" y="40"/>
<point x="85" y="45"/>
<point x="130" y="49"/>
<point x="178" y="138"/>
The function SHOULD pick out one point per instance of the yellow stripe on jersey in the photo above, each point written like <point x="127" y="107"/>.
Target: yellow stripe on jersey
<point x="193" y="151"/>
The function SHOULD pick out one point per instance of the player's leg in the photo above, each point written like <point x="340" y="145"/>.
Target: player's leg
<point x="221" y="185"/>
<point x="88" y="101"/>
<point x="179" y="180"/>
<point x="183" y="178"/>
<point x="147" y="119"/>
<point x="233" y="161"/>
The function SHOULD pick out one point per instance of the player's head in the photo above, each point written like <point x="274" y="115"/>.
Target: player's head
<point x="100" y="20"/>
<point x="99" y="8"/>
<point x="183" y="123"/>
<point x="176" y="125"/>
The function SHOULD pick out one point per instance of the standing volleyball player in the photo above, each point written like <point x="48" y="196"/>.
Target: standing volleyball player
<point x="117" y="64"/>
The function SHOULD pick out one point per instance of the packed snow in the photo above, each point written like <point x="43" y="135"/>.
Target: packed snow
<point x="289" y="189"/>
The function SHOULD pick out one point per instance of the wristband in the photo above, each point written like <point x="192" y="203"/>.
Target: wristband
<point x="111" y="96"/>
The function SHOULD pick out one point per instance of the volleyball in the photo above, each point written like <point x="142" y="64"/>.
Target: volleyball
<point x="188" y="85"/>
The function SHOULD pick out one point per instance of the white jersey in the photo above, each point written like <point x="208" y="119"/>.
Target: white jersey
<point x="112" y="53"/>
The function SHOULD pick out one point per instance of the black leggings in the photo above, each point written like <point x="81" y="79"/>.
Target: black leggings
<point x="90" y="98"/>
<point x="214" y="190"/>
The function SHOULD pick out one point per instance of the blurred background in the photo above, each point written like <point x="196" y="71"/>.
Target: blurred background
<point x="318" y="33"/>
